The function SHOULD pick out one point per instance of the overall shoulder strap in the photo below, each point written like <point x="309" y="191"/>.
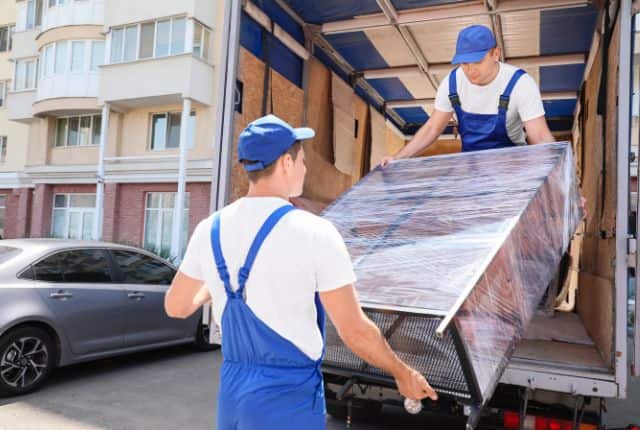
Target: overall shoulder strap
<point x="264" y="231"/>
<point x="453" y="89"/>
<point x="221" y="264"/>
<point x="506" y="95"/>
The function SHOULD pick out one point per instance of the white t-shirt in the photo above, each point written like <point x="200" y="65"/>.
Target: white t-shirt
<point x="525" y="102"/>
<point x="302" y="255"/>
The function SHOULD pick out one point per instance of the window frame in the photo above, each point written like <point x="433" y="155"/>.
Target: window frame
<point x="68" y="209"/>
<point x="138" y="26"/>
<point x="66" y="133"/>
<point x="35" y="17"/>
<point x="120" y="275"/>
<point x="9" y="30"/>
<point x="4" y="85"/>
<point x="29" y="272"/>
<point x="205" y="34"/>
<point x="162" y="210"/>
<point x="33" y="77"/>
<point x="3" y="211"/>
<point x="168" y="124"/>
<point x="4" y="142"/>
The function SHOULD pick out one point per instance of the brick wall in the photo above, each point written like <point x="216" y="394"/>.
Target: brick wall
<point x="128" y="204"/>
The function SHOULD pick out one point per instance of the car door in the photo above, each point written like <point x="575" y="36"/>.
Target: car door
<point x="146" y="280"/>
<point x="78" y="286"/>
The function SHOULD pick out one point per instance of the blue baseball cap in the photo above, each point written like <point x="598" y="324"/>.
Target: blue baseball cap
<point x="266" y="139"/>
<point x="473" y="44"/>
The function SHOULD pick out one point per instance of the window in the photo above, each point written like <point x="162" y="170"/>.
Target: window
<point x="200" y="41"/>
<point x="49" y="269"/>
<point x="78" y="130"/>
<point x="48" y="61"/>
<point x="25" y="77"/>
<point x="147" y="33"/>
<point x="97" y="55"/>
<point x="165" y="130"/>
<point x="149" y="39"/>
<point x="77" y="56"/>
<point x="61" y="57"/>
<point x="54" y="3"/>
<point x="178" y="31"/>
<point x="34" y="13"/>
<point x="3" y="149"/>
<point x="130" y="43"/>
<point x="86" y="266"/>
<point x="3" y="207"/>
<point x="3" y="92"/>
<point x="6" y="36"/>
<point x="158" y="222"/>
<point x="117" y="37"/>
<point x="138" y="268"/>
<point x="73" y="216"/>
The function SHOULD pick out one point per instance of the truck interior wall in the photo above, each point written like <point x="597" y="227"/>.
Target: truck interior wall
<point x="596" y="294"/>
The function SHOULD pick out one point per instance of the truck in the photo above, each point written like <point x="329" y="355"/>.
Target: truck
<point x="363" y="74"/>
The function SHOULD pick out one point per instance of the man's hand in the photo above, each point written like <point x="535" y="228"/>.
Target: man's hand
<point x="185" y="296"/>
<point x="414" y="386"/>
<point x="386" y="160"/>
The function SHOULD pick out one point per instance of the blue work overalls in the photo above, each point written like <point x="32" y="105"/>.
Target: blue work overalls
<point x="483" y="131"/>
<point x="266" y="382"/>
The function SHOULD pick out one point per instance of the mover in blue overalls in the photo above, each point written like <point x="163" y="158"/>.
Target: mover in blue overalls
<point x="270" y="272"/>
<point x="497" y="105"/>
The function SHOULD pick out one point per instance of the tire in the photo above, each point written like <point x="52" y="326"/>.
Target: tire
<point x="364" y="410"/>
<point x="202" y="339"/>
<point x="27" y="356"/>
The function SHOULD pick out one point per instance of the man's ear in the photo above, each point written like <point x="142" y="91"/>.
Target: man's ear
<point x="496" y="53"/>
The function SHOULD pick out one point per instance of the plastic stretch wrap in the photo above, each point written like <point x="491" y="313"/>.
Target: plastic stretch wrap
<point x="470" y="239"/>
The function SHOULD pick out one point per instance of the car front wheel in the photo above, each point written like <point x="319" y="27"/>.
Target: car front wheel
<point x="26" y="360"/>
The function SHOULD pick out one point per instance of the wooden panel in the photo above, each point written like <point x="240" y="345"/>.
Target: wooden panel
<point x="362" y="142"/>
<point x="324" y="183"/>
<point x="595" y="305"/>
<point x="251" y="74"/>
<point x="442" y="146"/>
<point x="391" y="46"/>
<point x="344" y="125"/>
<point x="519" y="30"/>
<point x="608" y="222"/>
<point x="560" y="352"/>
<point x="287" y="100"/>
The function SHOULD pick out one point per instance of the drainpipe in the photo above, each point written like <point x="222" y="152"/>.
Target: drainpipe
<point x="104" y="133"/>
<point x="178" y="206"/>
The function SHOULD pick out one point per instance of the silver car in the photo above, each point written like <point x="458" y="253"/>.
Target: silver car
<point x="64" y="302"/>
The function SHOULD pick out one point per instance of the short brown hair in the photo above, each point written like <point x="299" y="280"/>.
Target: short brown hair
<point x="294" y="150"/>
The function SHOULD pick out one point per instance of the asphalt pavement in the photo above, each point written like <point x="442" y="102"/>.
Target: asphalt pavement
<point x="176" y="388"/>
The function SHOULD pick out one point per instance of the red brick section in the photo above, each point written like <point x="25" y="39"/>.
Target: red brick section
<point x="125" y="203"/>
<point x="9" y="213"/>
<point x="41" y="211"/>
<point x="23" y="212"/>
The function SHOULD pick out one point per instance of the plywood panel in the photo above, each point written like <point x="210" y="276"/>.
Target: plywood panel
<point x="521" y="32"/>
<point x="608" y="222"/>
<point x="437" y="39"/>
<point x="287" y="101"/>
<point x="362" y="142"/>
<point x="391" y="46"/>
<point x="595" y="304"/>
<point x="442" y="146"/>
<point x="324" y="183"/>
<point x="419" y="86"/>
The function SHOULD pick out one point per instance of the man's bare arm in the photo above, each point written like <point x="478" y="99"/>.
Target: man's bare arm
<point x="427" y="134"/>
<point x="364" y="338"/>
<point x="538" y="131"/>
<point x="185" y="296"/>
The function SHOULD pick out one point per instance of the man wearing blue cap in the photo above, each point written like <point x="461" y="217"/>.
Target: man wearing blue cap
<point x="495" y="103"/>
<point x="271" y="271"/>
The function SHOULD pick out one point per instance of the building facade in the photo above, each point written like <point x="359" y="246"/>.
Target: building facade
<point x="107" y="119"/>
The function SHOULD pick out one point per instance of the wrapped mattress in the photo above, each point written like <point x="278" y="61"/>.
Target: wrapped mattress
<point x="453" y="254"/>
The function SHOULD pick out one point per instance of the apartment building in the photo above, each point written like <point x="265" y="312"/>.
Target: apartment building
<point x="110" y="115"/>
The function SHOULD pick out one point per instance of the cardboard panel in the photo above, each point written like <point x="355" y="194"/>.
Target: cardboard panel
<point x="344" y="125"/>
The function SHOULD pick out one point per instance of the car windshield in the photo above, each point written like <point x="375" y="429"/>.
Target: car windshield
<point x="8" y="252"/>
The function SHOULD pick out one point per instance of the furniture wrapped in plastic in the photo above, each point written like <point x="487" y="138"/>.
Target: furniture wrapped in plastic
<point x="453" y="254"/>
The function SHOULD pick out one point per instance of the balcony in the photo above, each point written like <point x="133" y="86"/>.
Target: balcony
<point x="122" y="12"/>
<point x="24" y="44"/>
<point x="20" y="105"/>
<point x="86" y="12"/>
<point x="157" y="81"/>
<point x="69" y="85"/>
